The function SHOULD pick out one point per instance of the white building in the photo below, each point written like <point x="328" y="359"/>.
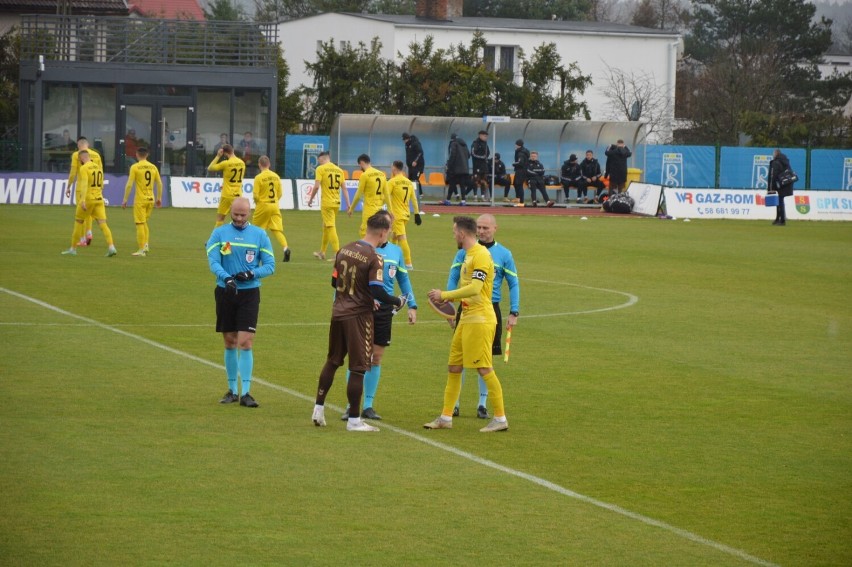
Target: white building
<point x="594" y="46"/>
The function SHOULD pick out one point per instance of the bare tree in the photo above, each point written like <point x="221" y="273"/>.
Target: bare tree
<point x="639" y="97"/>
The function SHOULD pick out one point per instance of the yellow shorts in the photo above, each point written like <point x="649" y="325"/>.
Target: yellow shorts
<point x="142" y="211"/>
<point x="225" y="202"/>
<point x="94" y="208"/>
<point x="399" y="227"/>
<point x="365" y="214"/>
<point x="268" y="216"/>
<point x="329" y="216"/>
<point x="471" y="346"/>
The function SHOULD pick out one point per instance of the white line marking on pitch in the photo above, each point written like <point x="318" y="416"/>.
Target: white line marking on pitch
<point x="685" y="534"/>
<point x="631" y="300"/>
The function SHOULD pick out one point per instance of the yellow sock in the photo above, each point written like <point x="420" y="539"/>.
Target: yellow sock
<point x="326" y="233"/>
<point x="107" y="233"/>
<point x="333" y="240"/>
<point x="77" y="233"/>
<point x="140" y="236"/>
<point x="279" y="236"/>
<point x="495" y="393"/>
<point x="219" y="223"/>
<point x="451" y="392"/>
<point x="88" y="222"/>
<point x="147" y="234"/>
<point x="406" y="250"/>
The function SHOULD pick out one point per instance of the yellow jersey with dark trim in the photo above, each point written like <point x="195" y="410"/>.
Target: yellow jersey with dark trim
<point x="233" y="170"/>
<point x="91" y="181"/>
<point x="332" y="182"/>
<point x="479" y="265"/>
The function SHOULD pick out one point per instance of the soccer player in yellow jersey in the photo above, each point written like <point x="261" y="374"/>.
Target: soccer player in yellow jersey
<point x="82" y="144"/>
<point x="331" y="180"/>
<point x="145" y="176"/>
<point x="402" y="195"/>
<point x="90" y="181"/>
<point x="471" y="346"/>
<point x="233" y="170"/>
<point x="267" y="211"/>
<point x="372" y="186"/>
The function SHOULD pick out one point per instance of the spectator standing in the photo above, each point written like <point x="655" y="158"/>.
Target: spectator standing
<point x="458" y="168"/>
<point x="616" y="166"/>
<point x="480" y="153"/>
<point x="571" y="176"/>
<point x="414" y="159"/>
<point x="777" y="167"/>
<point x="522" y="157"/>
<point x="535" y="180"/>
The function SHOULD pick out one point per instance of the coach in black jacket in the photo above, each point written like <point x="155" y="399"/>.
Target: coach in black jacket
<point x="777" y="167"/>
<point x="413" y="158"/>
<point x="616" y="166"/>
<point x="522" y="158"/>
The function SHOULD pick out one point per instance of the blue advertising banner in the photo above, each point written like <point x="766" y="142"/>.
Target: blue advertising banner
<point x="680" y="166"/>
<point x="831" y="169"/>
<point x="749" y="167"/>
<point x="300" y="155"/>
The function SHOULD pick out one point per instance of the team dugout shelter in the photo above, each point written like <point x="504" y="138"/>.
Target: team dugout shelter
<point x="380" y="137"/>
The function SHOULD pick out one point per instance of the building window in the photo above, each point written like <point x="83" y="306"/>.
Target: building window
<point x="60" y="125"/>
<point x="500" y="57"/>
<point x="251" y="127"/>
<point x="97" y="121"/>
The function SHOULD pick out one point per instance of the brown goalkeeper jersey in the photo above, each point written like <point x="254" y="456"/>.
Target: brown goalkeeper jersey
<point x="356" y="266"/>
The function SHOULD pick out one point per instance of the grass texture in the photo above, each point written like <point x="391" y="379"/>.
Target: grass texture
<point x="686" y="390"/>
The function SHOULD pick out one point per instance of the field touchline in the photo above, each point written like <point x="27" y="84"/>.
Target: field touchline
<point x="732" y="551"/>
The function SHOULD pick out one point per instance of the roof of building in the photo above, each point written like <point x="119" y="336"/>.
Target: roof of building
<point x="167" y="9"/>
<point x="78" y="7"/>
<point x="516" y="25"/>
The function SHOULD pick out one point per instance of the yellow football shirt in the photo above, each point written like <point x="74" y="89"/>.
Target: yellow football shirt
<point x="145" y="175"/>
<point x="332" y="182"/>
<point x="373" y="187"/>
<point x="233" y="170"/>
<point x="94" y="156"/>
<point x="401" y="192"/>
<point x="91" y="181"/>
<point x="476" y="283"/>
<point x="267" y="188"/>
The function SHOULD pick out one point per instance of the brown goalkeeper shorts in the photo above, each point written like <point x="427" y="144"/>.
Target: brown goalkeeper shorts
<point x="352" y="337"/>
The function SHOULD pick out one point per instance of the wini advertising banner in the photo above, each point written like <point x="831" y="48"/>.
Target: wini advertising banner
<point x="749" y="204"/>
<point x="26" y="188"/>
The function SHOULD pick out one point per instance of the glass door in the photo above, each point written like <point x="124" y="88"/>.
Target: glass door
<point x="164" y="130"/>
<point x="138" y="130"/>
<point x="175" y="155"/>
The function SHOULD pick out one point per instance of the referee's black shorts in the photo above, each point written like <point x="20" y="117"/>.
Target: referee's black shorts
<point x="383" y="324"/>
<point x="237" y="312"/>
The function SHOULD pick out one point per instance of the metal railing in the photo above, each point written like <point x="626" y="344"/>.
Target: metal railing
<point x="116" y="40"/>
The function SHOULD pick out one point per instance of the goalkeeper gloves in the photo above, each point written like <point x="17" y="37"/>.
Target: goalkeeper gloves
<point x="231" y="285"/>
<point x="244" y="276"/>
<point x="417" y="219"/>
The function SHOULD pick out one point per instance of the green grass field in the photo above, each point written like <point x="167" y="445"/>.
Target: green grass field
<point x="678" y="394"/>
